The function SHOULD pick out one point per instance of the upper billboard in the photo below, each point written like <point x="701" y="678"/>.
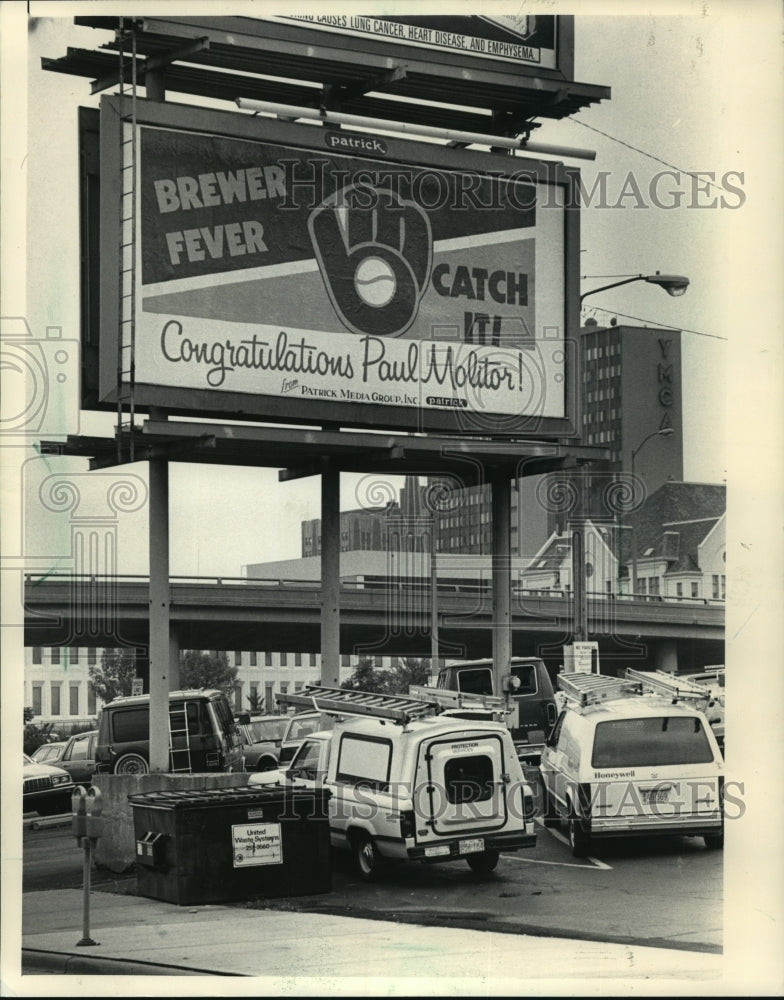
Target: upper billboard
<point x="298" y="273"/>
<point x="525" y="38"/>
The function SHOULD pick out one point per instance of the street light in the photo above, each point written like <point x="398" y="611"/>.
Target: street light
<point x="673" y="284"/>
<point x="663" y="432"/>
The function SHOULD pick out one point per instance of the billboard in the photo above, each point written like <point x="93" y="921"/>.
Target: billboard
<point x="282" y="271"/>
<point x="525" y="39"/>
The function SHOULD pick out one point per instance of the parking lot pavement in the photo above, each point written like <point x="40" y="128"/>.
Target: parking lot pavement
<point x="343" y="955"/>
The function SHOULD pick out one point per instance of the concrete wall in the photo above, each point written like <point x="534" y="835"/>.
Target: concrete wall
<point x="116" y="848"/>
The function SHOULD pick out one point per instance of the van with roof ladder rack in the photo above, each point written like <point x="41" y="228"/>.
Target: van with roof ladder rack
<point x="632" y="756"/>
<point x="409" y="781"/>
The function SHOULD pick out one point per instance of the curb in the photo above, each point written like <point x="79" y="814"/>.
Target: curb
<point x="66" y="964"/>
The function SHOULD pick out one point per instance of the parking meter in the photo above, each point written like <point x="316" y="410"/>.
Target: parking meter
<point x="94" y="819"/>
<point x="79" y="812"/>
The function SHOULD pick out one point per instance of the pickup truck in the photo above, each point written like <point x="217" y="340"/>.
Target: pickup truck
<point x="527" y="690"/>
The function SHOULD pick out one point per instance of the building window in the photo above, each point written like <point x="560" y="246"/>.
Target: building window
<point x="37" y="691"/>
<point x="297" y="685"/>
<point x="55" y="654"/>
<point x="345" y="661"/>
<point x="269" y="700"/>
<point x="284" y="687"/>
<point x="74" y="654"/>
<point x="237" y="659"/>
<point x="91" y="706"/>
<point x="298" y="659"/>
<point x="654" y="585"/>
<point x="695" y="589"/>
<point x="91" y="659"/>
<point x="679" y="590"/>
<point x="284" y="659"/>
<point x="268" y="659"/>
<point x="723" y="587"/>
<point x="55" y="709"/>
<point x="74" y="699"/>
<point x="313" y="659"/>
<point x="238" y="698"/>
<point x="253" y="659"/>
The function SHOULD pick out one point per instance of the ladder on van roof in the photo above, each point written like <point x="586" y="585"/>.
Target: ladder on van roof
<point x="447" y="699"/>
<point x="340" y="701"/>
<point x="583" y="690"/>
<point x="661" y="683"/>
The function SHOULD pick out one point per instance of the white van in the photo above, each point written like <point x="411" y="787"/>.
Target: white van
<point x="411" y="784"/>
<point x="622" y="760"/>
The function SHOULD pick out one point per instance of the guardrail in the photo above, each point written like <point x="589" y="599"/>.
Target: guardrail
<point x="444" y="587"/>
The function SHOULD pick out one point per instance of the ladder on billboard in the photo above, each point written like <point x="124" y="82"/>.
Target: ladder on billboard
<point x="126" y="334"/>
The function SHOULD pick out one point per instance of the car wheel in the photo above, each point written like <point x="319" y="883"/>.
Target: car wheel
<point x="579" y="840"/>
<point x="549" y="813"/>
<point x="714" y="841"/>
<point x="266" y="764"/>
<point x="131" y="763"/>
<point x="368" y="862"/>
<point x="483" y="863"/>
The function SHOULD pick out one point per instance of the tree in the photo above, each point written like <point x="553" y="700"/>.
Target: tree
<point x="114" y="677"/>
<point x="410" y="670"/>
<point x="368" y="677"/>
<point x="200" y="669"/>
<point x="29" y="715"/>
<point x="255" y="702"/>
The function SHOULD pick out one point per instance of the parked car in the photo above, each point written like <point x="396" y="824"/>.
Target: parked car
<point x="299" y="726"/>
<point x="408" y="783"/>
<point x="713" y="682"/>
<point x="202" y="731"/>
<point x="47" y="789"/>
<point x="306" y="769"/>
<point x="78" y="757"/>
<point x="48" y="753"/>
<point x="621" y="762"/>
<point x="261" y="738"/>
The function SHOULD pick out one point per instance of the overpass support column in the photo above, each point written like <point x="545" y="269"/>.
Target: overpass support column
<point x="330" y="576"/>
<point x="501" y="562"/>
<point x="159" y="615"/>
<point x="666" y="655"/>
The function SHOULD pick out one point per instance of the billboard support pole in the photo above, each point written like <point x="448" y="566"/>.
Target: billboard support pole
<point x="501" y="563"/>
<point x="330" y="576"/>
<point x="159" y="615"/>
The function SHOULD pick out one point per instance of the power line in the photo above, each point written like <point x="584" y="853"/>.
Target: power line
<point x="655" y="323"/>
<point x="642" y="152"/>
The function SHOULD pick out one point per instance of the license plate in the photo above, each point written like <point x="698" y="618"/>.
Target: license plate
<point x="471" y="846"/>
<point x="655" y="795"/>
<point x="437" y="852"/>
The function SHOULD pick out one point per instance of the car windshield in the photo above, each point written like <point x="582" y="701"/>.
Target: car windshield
<point x="27" y="760"/>
<point x="266" y="730"/>
<point x="302" y="727"/>
<point x="651" y="741"/>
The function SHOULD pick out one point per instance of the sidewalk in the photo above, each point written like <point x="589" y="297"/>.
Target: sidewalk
<point x="316" y="954"/>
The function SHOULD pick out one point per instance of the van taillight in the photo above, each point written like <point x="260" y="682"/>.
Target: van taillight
<point x="407" y="824"/>
<point x="584" y="798"/>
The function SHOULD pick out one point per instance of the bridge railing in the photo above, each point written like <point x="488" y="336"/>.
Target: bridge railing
<point x="444" y="587"/>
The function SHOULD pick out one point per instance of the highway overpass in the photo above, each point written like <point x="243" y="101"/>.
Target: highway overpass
<point x="281" y="615"/>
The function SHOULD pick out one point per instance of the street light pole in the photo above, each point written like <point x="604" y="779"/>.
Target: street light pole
<point x="673" y="284"/>
<point x="663" y="432"/>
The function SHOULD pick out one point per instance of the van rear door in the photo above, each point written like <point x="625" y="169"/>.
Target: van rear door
<point x="654" y="770"/>
<point x="459" y="785"/>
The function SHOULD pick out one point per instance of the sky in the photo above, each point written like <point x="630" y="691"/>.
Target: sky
<point x="674" y="111"/>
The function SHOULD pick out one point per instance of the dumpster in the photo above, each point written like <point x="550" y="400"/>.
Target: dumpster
<point x="220" y="844"/>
